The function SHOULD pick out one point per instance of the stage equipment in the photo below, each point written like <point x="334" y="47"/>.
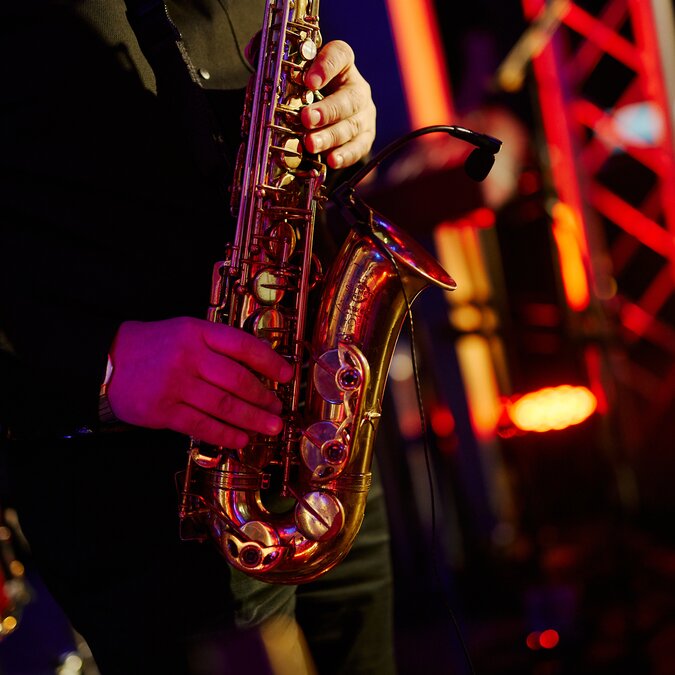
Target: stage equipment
<point x="606" y="82"/>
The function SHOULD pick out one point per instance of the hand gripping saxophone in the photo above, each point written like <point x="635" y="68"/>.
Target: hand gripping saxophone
<point x="286" y="509"/>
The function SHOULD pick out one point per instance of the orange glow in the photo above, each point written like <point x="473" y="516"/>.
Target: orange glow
<point x="421" y="62"/>
<point x="459" y="249"/>
<point x="570" y="240"/>
<point x="552" y="408"/>
<point x="480" y="384"/>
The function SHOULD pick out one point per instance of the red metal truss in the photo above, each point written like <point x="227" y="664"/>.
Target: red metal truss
<point x="603" y="62"/>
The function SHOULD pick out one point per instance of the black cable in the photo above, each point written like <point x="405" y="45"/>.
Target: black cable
<point x="427" y="462"/>
<point x="432" y="495"/>
<point x="477" y="166"/>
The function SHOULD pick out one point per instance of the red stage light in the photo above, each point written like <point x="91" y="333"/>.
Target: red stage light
<point x="532" y="640"/>
<point x="482" y="217"/>
<point x="549" y="638"/>
<point x="442" y="422"/>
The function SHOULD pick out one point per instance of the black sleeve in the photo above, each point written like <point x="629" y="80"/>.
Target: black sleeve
<point x="97" y="215"/>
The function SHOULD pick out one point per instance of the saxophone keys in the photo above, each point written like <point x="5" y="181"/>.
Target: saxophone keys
<point x="335" y="452"/>
<point x="280" y="241"/>
<point x="308" y="49"/>
<point x="349" y="378"/>
<point x="261" y="532"/>
<point x="319" y="516"/>
<point x="261" y="552"/>
<point x="269" y="287"/>
<point x="304" y="97"/>
<point x="218" y="282"/>
<point x="336" y="374"/>
<point x="251" y="555"/>
<point x="203" y="460"/>
<point x="323" y="451"/>
<point x="325" y="370"/>
<point x="268" y="324"/>
<point x="291" y="153"/>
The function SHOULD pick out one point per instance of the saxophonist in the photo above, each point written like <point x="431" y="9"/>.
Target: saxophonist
<point x="108" y="231"/>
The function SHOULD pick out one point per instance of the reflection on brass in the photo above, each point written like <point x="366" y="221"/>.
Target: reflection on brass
<point x="268" y="287"/>
<point x="292" y="153"/>
<point x="286" y="509"/>
<point x="268" y="324"/>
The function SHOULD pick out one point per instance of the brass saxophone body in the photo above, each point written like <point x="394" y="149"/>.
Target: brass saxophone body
<point x="286" y="509"/>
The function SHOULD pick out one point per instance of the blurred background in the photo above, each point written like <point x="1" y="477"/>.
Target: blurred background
<point x="538" y="511"/>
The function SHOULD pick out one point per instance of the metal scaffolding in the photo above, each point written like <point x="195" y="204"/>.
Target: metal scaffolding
<point x="605" y="73"/>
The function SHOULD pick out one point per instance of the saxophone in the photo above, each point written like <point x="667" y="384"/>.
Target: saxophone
<point x="286" y="509"/>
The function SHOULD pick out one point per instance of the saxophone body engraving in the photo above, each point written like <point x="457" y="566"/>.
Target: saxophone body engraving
<point x="286" y="509"/>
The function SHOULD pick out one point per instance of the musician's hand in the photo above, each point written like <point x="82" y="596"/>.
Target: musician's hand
<point x="197" y="378"/>
<point x="343" y="123"/>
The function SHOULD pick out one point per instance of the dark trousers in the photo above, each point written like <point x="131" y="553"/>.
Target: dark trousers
<point x="100" y="515"/>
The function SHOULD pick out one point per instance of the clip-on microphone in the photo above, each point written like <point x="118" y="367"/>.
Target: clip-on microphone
<point x="477" y="164"/>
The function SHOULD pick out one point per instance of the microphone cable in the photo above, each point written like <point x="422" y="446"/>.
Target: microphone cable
<point x="477" y="166"/>
<point x="432" y="493"/>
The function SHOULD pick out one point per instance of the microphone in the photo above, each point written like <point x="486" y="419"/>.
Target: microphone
<point x="478" y="164"/>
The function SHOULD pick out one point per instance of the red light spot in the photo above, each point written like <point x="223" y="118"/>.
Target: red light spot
<point x="442" y="422"/>
<point x="541" y="314"/>
<point x="549" y="638"/>
<point x="532" y="640"/>
<point x="482" y="217"/>
<point x="594" y="369"/>
<point x="529" y="183"/>
<point x="507" y="432"/>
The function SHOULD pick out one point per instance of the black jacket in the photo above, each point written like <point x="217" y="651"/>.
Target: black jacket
<point x="104" y="217"/>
